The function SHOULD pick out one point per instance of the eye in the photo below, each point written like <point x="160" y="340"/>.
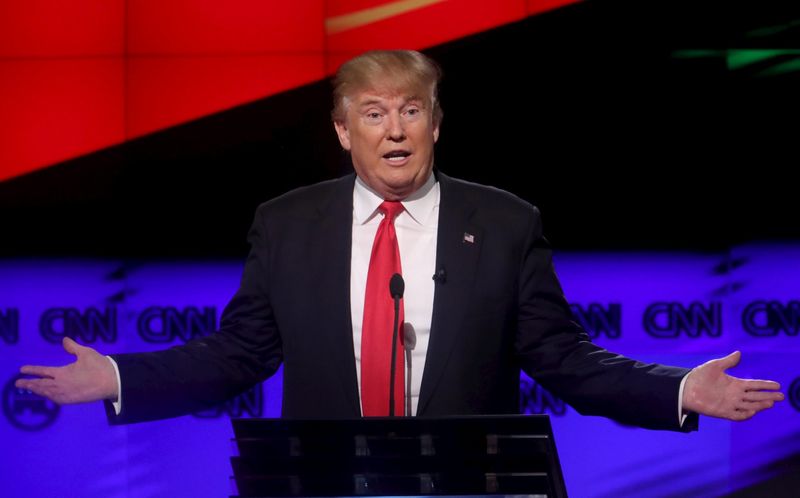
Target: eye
<point x="413" y="112"/>
<point x="373" y="117"/>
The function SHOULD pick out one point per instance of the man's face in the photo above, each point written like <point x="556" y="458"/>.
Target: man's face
<point x="390" y="137"/>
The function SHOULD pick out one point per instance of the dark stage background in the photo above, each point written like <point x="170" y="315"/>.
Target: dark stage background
<point x="623" y="121"/>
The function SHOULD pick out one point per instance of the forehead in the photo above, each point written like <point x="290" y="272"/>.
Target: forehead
<point x="387" y="88"/>
<point x="369" y="97"/>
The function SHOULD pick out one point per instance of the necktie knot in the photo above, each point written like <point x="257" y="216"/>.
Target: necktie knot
<point x="391" y="209"/>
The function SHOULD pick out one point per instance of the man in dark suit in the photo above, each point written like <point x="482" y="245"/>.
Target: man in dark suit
<point x="494" y="305"/>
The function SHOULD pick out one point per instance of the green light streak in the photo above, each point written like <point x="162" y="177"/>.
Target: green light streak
<point x="739" y="58"/>
<point x="771" y="30"/>
<point x="768" y="31"/>
<point x="697" y="54"/>
<point x="782" y="68"/>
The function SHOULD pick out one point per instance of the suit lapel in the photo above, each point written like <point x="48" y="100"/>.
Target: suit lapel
<point x="330" y="261"/>
<point x="457" y="250"/>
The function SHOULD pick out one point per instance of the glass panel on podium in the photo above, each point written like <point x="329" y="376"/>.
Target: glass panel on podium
<point x="453" y="456"/>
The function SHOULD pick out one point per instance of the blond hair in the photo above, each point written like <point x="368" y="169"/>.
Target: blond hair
<point x="394" y="70"/>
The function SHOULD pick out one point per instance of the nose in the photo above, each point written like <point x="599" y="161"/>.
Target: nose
<point x="394" y="127"/>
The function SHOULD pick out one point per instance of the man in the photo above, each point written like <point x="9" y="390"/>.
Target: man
<point x="315" y="295"/>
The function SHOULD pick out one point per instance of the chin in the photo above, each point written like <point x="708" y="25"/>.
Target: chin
<point x="398" y="191"/>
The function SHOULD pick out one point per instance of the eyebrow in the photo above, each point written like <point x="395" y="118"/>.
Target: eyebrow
<point x="370" y="102"/>
<point x="378" y="101"/>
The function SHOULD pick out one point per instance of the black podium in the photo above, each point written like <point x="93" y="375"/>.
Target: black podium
<point x="458" y="456"/>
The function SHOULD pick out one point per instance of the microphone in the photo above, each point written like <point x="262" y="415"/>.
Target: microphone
<point x="409" y="344"/>
<point x="396" y="288"/>
<point x="440" y="276"/>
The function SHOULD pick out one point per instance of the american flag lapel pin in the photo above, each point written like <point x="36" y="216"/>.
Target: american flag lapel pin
<point x="469" y="238"/>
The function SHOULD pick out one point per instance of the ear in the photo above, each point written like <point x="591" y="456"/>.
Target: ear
<point x="343" y="133"/>
<point x="436" y="133"/>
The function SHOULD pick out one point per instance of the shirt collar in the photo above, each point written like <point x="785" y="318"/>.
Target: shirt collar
<point x="420" y="205"/>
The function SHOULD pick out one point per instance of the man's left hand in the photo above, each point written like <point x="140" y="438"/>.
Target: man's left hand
<point x="710" y="391"/>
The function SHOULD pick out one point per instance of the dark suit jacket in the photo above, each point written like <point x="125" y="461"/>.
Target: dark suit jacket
<point x="500" y="309"/>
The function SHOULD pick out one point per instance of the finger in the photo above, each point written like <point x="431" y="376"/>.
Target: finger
<point x="756" y="406"/>
<point x="38" y="386"/>
<point x="740" y="415"/>
<point x="731" y="360"/>
<point x="71" y="346"/>
<point x="760" y="385"/>
<point x="39" y="371"/>
<point x="23" y="383"/>
<point x="752" y="396"/>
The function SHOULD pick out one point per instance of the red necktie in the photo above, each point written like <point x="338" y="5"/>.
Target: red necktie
<point x="376" y="331"/>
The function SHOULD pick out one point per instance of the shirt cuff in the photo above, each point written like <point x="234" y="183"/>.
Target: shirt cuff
<point x="681" y="416"/>
<point x="118" y="403"/>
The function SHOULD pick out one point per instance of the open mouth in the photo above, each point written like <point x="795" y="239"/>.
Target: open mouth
<point x="396" y="156"/>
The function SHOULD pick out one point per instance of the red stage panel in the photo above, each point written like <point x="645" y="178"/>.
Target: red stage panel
<point x="165" y="91"/>
<point x="206" y="27"/>
<point x="539" y="6"/>
<point x="437" y="22"/>
<point x="54" y="110"/>
<point x="218" y="55"/>
<point x="47" y="28"/>
<point x="334" y="60"/>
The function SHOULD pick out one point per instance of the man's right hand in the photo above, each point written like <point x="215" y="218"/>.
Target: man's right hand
<point x="90" y="378"/>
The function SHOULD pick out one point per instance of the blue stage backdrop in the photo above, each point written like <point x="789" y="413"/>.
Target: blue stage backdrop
<point x="675" y="308"/>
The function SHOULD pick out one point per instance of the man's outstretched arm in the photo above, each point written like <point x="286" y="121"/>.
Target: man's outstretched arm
<point x="557" y="352"/>
<point x="182" y="379"/>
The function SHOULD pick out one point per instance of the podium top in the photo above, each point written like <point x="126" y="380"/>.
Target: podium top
<point x="379" y="456"/>
<point x="495" y="424"/>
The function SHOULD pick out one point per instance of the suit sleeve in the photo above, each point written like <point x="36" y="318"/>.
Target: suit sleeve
<point x="554" y="350"/>
<point x="207" y="371"/>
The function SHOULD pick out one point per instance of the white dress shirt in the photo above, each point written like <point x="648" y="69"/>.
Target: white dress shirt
<point x="416" y="228"/>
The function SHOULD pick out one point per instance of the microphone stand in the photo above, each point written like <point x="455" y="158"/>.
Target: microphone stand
<point x="396" y="289"/>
